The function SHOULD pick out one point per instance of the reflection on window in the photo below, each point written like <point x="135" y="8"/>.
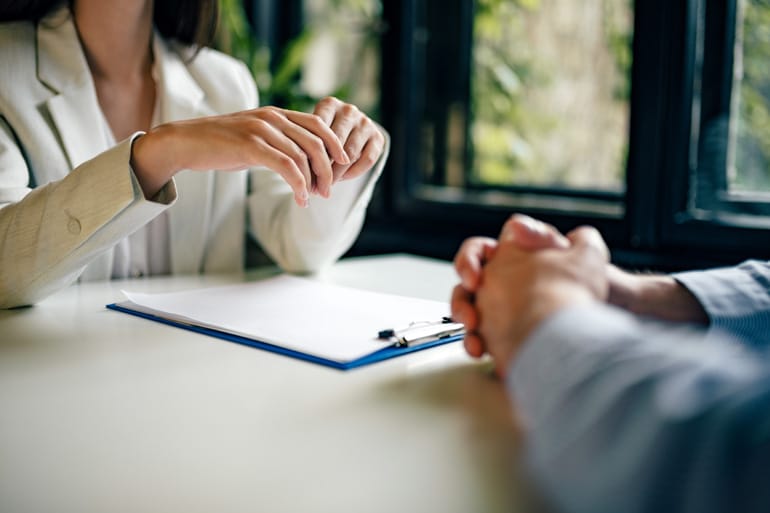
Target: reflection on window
<point x="751" y="92"/>
<point x="550" y="93"/>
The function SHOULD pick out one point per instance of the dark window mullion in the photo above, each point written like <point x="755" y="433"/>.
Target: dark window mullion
<point x="657" y="126"/>
<point x="676" y="134"/>
<point x="716" y="88"/>
<point x="275" y="23"/>
<point x="400" y="78"/>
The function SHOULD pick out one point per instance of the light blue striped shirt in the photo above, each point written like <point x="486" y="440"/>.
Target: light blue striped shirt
<point x="626" y="414"/>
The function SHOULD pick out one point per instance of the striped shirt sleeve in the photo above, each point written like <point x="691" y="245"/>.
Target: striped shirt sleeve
<point x="629" y="415"/>
<point x="736" y="299"/>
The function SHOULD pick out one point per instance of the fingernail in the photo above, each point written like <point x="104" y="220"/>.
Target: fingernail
<point x="346" y="158"/>
<point x="533" y="225"/>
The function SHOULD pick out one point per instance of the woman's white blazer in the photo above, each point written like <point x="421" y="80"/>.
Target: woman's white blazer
<point x="66" y="197"/>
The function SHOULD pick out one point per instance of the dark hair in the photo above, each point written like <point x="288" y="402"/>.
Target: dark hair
<point x="31" y="10"/>
<point x="191" y="22"/>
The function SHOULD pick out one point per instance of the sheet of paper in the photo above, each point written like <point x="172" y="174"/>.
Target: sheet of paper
<point x="309" y="316"/>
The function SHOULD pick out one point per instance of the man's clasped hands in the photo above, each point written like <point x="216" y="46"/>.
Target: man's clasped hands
<point x="509" y="286"/>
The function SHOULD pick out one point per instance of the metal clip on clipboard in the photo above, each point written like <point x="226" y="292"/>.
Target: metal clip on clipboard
<point x="421" y="332"/>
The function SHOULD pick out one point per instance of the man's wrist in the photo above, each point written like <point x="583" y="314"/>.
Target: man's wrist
<point x="658" y="296"/>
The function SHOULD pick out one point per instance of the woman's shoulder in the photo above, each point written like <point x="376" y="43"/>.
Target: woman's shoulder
<point x="225" y="80"/>
<point x="17" y="40"/>
<point x="16" y="32"/>
<point x="17" y="56"/>
<point x="217" y="61"/>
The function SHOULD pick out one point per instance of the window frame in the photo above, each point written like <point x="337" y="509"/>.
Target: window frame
<point x="653" y="228"/>
<point x="426" y="219"/>
<point x="723" y="233"/>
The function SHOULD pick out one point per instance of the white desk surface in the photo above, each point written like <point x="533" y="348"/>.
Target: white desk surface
<point x="106" y="412"/>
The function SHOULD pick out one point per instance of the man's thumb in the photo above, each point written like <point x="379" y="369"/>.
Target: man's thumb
<point x="530" y="234"/>
<point x="588" y="237"/>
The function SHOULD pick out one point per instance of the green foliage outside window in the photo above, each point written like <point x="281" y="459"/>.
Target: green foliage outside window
<point x="752" y="164"/>
<point x="283" y="85"/>
<point x="549" y="101"/>
<point x="516" y="138"/>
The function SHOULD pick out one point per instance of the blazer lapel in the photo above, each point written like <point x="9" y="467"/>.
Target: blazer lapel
<point x="74" y="108"/>
<point x="182" y="98"/>
<point x="76" y="114"/>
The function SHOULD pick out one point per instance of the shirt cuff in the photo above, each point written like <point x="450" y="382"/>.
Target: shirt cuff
<point x="736" y="299"/>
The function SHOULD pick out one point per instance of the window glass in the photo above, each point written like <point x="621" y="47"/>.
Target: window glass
<point x="750" y="170"/>
<point x="550" y="94"/>
<point x="732" y="182"/>
<point x="342" y="53"/>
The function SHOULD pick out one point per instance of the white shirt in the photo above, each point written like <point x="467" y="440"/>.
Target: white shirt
<point x="146" y="251"/>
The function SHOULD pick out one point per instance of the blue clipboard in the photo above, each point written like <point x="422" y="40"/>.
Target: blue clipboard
<point x="386" y="353"/>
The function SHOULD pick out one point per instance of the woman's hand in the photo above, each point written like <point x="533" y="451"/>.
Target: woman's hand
<point x="362" y="140"/>
<point x="305" y="149"/>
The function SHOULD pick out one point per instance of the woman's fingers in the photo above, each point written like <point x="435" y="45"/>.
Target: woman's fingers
<point x="326" y="109"/>
<point x="285" y="145"/>
<point x="285" y="166"/>
<point x="317" y="126"/>
<point x="367" y="159"/>
<point x="302" y="148"/>
<point x="315" y="139"/>
<point x="346" y="118"/>
<point x="362" y="140"/>
<point x="315" y="153"/>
